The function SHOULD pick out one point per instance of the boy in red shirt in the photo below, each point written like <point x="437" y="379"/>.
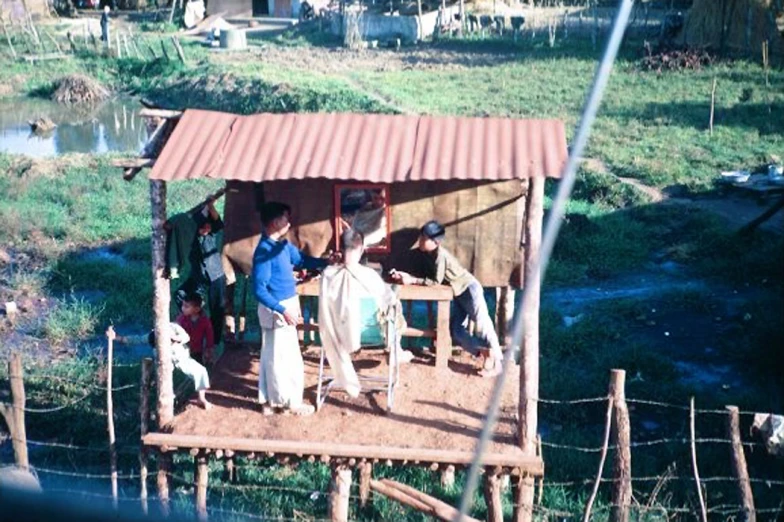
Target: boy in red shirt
<point x="199" y="328"/>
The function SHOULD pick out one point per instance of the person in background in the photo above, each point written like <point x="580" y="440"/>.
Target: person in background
<point x="199" y="328"/>
<point x="206" y="277"/>
<point x="181" y="358"/>
<point x="442" y="267"/>
<point x="281" y="369"/>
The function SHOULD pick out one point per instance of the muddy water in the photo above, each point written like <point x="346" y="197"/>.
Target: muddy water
<point x="114" y="126"/>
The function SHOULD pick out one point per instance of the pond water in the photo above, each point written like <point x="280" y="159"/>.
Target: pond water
<point x="113" y="126"/>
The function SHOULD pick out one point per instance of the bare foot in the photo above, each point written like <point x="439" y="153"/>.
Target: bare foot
<point x="492" y="368"/>
<point x="207" y="405"/>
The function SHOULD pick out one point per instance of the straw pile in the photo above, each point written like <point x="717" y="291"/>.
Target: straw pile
<point x="79" y="89"/>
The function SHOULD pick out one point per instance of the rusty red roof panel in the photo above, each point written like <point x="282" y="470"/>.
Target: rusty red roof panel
<point x="359" y="147"/>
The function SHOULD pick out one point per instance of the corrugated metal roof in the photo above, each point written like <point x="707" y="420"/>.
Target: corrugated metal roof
<point x="362" y="147"/>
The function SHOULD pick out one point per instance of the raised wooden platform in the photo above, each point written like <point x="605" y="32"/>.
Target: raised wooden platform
<point x="436" y="419"/>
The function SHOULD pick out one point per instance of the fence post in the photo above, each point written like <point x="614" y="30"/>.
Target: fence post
<point x="339" y="493"/>
<point x="110" y="335"/>
<point x="365" y="476"/>
<point x="17" y="424"/>
<point x="622" y="461"/>
<point x="202" y="478"/>
<point x="739" y="465"/>
<point x="693" y="436"/>
<point x="164" y="465"/>
<point x="144" y="414"/>
<point x="448" y="477"/>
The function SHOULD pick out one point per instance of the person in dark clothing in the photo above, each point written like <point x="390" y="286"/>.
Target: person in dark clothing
<point x="206" y="277"/>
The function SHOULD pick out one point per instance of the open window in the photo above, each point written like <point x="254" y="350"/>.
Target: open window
<point x="364" y="207"/>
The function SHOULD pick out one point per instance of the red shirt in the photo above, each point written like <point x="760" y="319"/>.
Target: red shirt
<point x="200" y="332"/>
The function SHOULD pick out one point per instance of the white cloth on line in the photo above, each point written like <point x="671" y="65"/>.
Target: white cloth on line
<point x="281" y="369"/>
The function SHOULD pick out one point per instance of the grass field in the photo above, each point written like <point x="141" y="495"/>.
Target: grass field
<point x="78" y="235"/>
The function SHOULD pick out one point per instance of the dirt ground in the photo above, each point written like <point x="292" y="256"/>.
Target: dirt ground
<point x="438" y="410"/>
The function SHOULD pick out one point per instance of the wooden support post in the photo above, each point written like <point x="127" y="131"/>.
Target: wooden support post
<point x="339" y="493"/>
<point x="622" y="462"/>
<point x="164" y="466"/>
<point x="144" y="414"/>
<point x="229" y="473"/>
<point x="110" y="335"/>
<point x="443" y="339"/>
<point x="448" y="477"/>
<point x="692" y="431"/>
<point x="201" y="479"/>
<point x="529" y="356"/>
<point x="495" y="510"/>
<point x="18" y="430"/>
<point x="739" y="465"/>
<point x="365" y="476"/>
<point x="161" y="301"/>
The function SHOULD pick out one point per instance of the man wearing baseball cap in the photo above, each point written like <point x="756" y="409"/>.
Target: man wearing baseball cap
<point x="469" y="303"/>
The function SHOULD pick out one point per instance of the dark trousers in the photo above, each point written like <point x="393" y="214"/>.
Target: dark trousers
<point x="214" y="295"/>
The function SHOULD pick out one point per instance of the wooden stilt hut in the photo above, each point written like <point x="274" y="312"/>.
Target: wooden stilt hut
<point x="482" y="177"/>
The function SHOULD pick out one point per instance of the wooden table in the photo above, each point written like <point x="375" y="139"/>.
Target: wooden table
<point x="441" y="294"/>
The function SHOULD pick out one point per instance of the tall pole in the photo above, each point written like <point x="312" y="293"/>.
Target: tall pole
<point x="161" y="299"/>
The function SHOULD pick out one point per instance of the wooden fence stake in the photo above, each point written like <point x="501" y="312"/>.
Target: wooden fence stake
<point x="15" y="415"/>
<point x="117" y="40"/>
<point x="739" y="465"/>
<point x="703" y="510"/>
<point x="622" y="462"/>
<point x="163" y="48"/>
<point x="228" y="468"/>
<point x="607" y="424"/>
<point x="164" y="465"/>
<point x="713" y="106"/>
<point x="144" y="414"/>
<point x="495" y="510"/>
<point x="51" y="38"/>
<point x="71" y="42"/>
<point x="110" y="336"/>
<point x="339" y="493"/>
<point x="202" y="478"/>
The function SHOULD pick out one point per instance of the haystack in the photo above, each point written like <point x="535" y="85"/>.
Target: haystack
<point x="734" y="25"/>
<point x="79" y="89"/>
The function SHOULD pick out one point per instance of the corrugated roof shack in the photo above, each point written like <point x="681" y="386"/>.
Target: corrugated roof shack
<point x="482" y="177"/>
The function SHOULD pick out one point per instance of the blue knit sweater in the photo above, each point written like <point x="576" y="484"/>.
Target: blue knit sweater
<point x="274" y="263"/>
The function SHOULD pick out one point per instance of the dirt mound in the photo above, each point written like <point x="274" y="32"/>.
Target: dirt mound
<point x="79" y="89"/>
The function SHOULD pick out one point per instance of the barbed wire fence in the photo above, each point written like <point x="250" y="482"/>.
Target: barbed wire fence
<point x="82" y="470"/>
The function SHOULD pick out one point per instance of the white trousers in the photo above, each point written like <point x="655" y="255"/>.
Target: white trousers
<point x="281" y="369"/>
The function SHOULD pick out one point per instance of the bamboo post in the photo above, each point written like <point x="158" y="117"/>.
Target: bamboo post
<point x="201" y="479"/>
<point x="495" y="510"/>
<point x="164" y="465"/>
<point x="18" y="400"/>
<point x="703" y="510"/>
<point x="739" y="465"/>
<point x="144" y="414"/>
<point x="178" y="48"/>
<point x="161" y="300"/>
<point x="117" y="40"/>
<point x="461" y="10"/>
<point x="127" y="47"/>
<point x="712" y="106"/>
<point x="622" y="462"/>
<point x="339" y="493"/>
<point x="529" y="356"/>
<point x="607" y="425"/>
<point x="365" y="476"/>
<point x="8" y="39"/>
<point x="72" y="42"/>
<point x="171" y="13"/>
<point x="448" y="477"/>
<point x="110" y="336"/>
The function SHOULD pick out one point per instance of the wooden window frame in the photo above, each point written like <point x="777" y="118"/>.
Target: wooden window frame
<point x="387" y="247"/>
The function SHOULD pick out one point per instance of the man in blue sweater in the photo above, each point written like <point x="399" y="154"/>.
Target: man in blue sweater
<point x="281" y="369"/>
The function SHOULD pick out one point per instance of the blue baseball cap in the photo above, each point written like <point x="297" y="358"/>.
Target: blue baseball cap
<point x="433" y="230"/>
